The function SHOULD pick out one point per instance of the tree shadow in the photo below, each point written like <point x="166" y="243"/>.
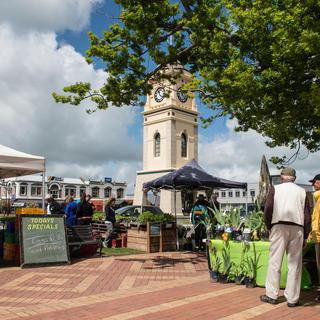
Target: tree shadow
<point x="162" y="262"/>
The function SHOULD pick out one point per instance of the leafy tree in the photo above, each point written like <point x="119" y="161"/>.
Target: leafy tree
<point x="254" y="60"/>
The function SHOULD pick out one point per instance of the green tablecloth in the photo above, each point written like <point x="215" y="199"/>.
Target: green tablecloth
<point x="262" y="247"/>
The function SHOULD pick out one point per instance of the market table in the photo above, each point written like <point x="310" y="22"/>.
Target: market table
<point x="262" y="248"/>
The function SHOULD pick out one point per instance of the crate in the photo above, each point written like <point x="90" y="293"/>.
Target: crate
<point x="140" y="237"/>
<point x="9" y="251"/>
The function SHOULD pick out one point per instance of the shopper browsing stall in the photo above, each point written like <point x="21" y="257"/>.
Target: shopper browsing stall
<point x="315" y="234"/>
<point x="287" y="214"/>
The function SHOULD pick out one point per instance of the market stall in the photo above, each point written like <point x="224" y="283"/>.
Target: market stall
<point x="189" y="177"/>
<point x="15" y="163"/>
<point x="262" y="251"/>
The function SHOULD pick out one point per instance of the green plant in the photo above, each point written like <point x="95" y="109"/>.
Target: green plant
<point x="226" y="260"/>
<point x="251" y="263"/>
<point x="7" y="218"/>
<point x="148" y="216"/>
<point x="239" y="268"/>
<point x="216" y="261"/>
<point x="99" y="216"/>
<point x="235" y="219"/>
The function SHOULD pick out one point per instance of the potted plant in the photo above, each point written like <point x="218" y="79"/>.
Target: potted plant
<point x="235" y="223"/>
<point x="251" y="266"/>
<point x="238" y="270"/>
<point x="238" y="273"/>
<point x="214" y="265"/>
<point x="220" y="223"/>
<point x="226" y="264"/>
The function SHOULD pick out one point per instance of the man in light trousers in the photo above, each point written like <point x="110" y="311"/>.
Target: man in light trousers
<point x="287" y="215"/>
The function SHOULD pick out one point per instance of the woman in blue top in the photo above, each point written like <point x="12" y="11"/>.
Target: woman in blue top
<point x="70" y="211"/>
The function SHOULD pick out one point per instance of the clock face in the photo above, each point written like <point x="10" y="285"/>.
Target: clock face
<point x="182" y="96"/>
<point x="159" y="94"/>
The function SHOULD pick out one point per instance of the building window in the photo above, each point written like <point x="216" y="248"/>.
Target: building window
<point x="95" y="192"/>
<point x="23" y="189"/>
<point x="70" y="191"/>
<point x="230" y="194"/>
<point x="157" y="145"/>
<point x="107" y="192"/>
<point x="252" y="193"/>
<point x="183" y="145"/>
<point x="237" y="194"/>
<point x="119" y="193"/>
<point x="36" y="190"/>
<point x="244" y="193"/>
<point x="54" y="191"/>
<point x="217" y="194"/>
<point x="223" y="194"/>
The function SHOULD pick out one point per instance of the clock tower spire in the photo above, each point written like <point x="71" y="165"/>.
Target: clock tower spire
<point x="170" y="134"/>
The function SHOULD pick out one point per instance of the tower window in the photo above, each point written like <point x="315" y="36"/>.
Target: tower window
<point x="183" y="145"/>
<point x="157" y="145"/>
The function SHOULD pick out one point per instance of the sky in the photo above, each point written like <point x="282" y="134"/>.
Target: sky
<point x="43" y="47"/>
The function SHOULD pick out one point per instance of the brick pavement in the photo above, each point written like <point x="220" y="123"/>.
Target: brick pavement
<point x="172" y="285"/>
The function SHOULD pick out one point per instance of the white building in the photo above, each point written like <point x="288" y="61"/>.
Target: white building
<point x="26" y="188"/>
<point x="170" y="135"/>
<point x="237" y="198"/>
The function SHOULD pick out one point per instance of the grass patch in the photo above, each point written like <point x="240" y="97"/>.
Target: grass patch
<point x="119" y="251"/>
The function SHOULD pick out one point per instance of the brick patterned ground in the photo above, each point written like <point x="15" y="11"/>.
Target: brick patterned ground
<point x="173" y="285"/>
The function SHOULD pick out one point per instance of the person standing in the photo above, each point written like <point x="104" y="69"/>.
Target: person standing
<point x="315" y="233"/>
<point x="287" y="215"/>
<point x="110" y="221"/>
<point x="90" y="202"/>
<point x="84" y="211"/>
<point x="70" y="211"/>
<point x="53" y="206"/>
<point x="198" y="218"/>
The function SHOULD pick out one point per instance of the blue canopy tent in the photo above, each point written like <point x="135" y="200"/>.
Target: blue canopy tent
<point x="190" y="177"/>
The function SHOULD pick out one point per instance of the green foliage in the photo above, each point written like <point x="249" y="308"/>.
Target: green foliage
<point x="99" y="216"/>
<point x="251" y="263"/>
<point x="215" y="261"/>
<point x="255" y="220"/>
<point x="148" y="216"/>
<point x="7" y="218"/>
<point x="239" y="268"/>
<point x="234" y="219"/>
<point x="256" y="61"/>
<point x="226" y="260"/>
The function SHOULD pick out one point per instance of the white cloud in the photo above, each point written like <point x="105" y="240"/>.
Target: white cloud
<point x="74" y="143"/>
<point x="237" y="155"/>
<point x="44" y="15"/>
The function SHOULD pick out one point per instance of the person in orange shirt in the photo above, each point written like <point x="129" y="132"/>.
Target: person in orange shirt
<point x="315" y="233"/>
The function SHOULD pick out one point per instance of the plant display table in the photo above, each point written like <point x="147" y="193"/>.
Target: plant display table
<point x="262" y="247"/>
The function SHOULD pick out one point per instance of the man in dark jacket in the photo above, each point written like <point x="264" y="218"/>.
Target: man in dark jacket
<point x="53" y="206"/>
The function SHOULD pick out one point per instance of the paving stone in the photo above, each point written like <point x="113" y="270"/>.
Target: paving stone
<point x="172" y="285"/>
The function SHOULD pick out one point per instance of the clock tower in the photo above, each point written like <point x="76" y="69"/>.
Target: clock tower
<point x="170" y="135"/>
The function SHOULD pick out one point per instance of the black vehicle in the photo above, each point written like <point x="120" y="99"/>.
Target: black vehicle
<point x="135" y="211"/>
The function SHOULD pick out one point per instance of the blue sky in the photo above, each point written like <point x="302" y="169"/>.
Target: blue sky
<point x="43" y="45"/>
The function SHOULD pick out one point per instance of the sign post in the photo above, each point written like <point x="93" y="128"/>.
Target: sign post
<point x="43" y="240"/>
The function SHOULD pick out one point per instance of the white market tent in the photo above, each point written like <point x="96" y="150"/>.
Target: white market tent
<point x="14" y="163"/>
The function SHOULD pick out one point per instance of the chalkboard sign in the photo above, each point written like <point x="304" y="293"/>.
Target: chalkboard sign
<point x="43" y="239"/>
<point x="155" y="229"/>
